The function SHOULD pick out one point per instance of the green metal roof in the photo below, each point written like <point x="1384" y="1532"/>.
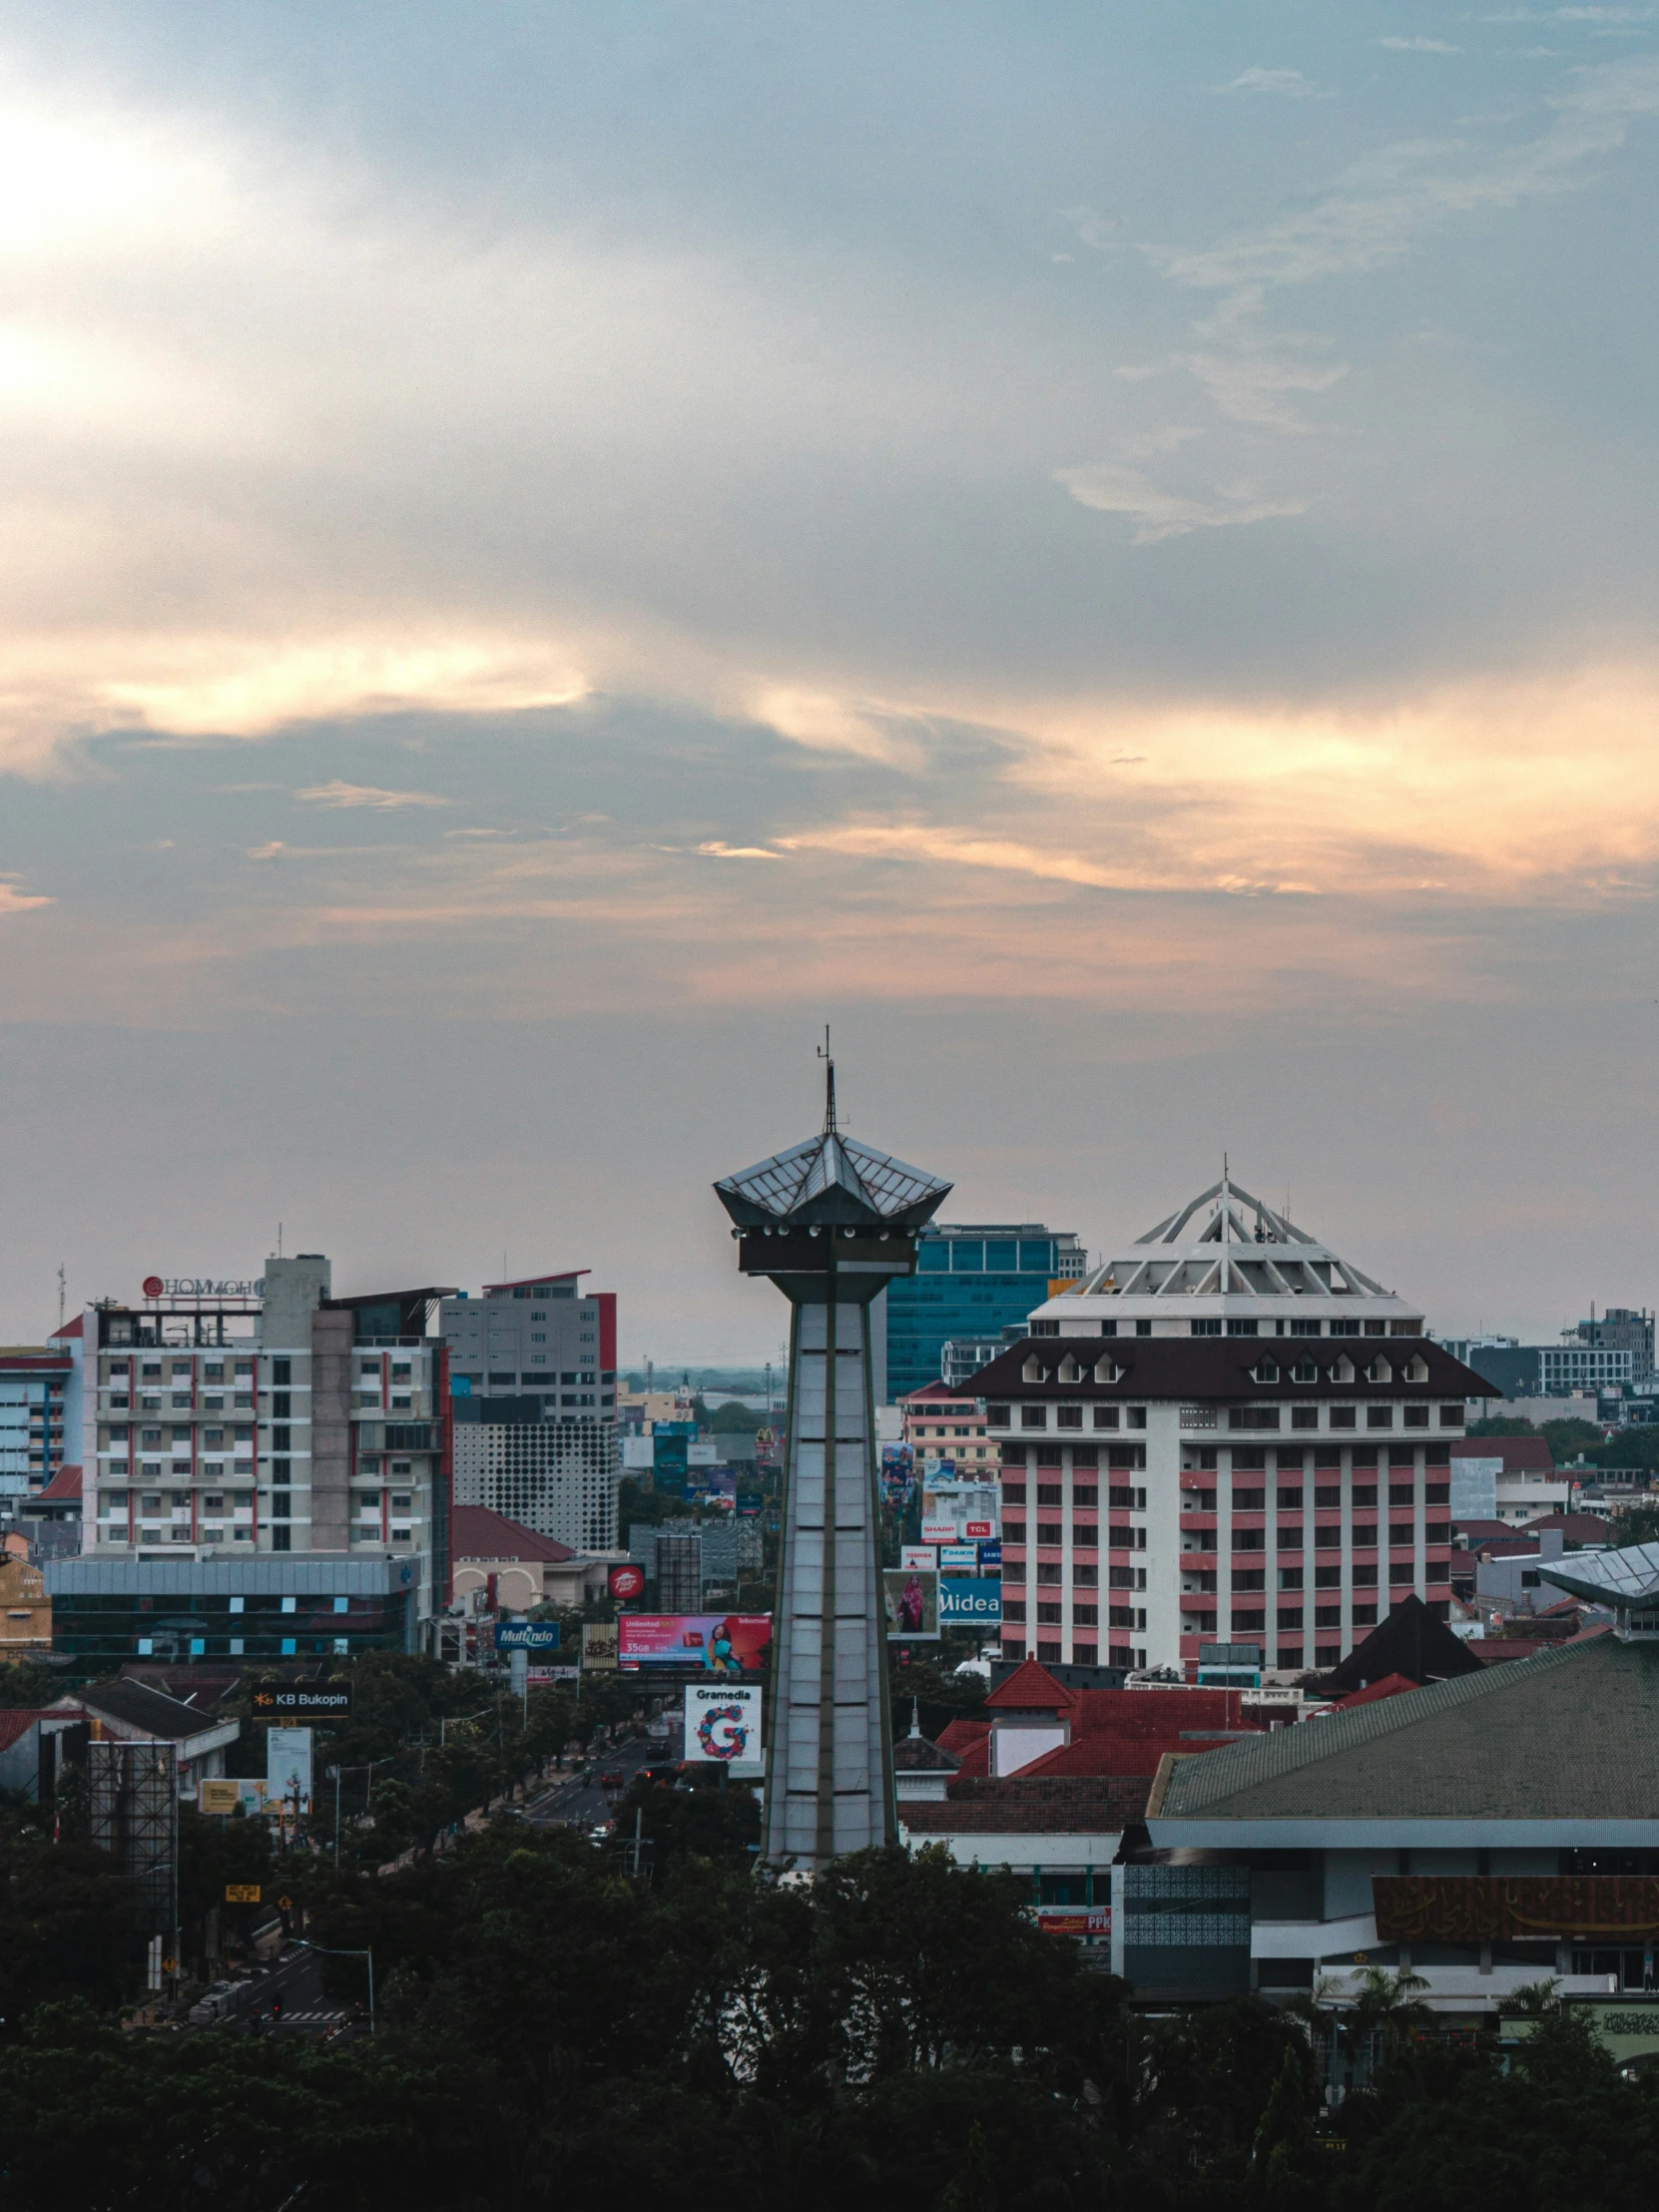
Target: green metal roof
<point x="1571" y="1734"/>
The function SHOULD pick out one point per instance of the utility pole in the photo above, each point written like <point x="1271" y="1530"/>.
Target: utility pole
<point x="62" y="1292"/>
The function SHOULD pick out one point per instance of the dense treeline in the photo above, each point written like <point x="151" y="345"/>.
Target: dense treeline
<point x="894" y="2034"/>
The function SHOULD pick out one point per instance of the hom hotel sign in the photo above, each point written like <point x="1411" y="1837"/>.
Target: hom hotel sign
<point x="201" y="1285"/>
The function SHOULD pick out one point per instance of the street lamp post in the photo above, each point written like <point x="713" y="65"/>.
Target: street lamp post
<point x="358" y="1767"/>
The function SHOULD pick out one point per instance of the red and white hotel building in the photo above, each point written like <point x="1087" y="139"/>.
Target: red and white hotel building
<point x="1258" y="1453"/>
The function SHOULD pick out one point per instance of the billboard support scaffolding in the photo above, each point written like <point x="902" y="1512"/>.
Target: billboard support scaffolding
<point x="132" y="1793"/>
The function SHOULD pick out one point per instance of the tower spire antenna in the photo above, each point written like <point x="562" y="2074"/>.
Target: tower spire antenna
<point x="824" y="1054"/>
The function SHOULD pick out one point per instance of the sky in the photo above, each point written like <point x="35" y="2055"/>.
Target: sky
<point x="547" y="552"/>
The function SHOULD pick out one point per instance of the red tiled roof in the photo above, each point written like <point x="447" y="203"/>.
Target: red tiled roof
<point x="1493" y="1651"/>
<point x="475" y="1533"/>
<point x="1579" y="1528"/>
<point x="1478" y="1531"/>
<point x="1518" y="1452"/>
<point x="1391" y="1686"/>
<point x="1023" y="1803"/>
<point x="971" y="1742"/>
<point x="930" y="1391"/>
<point x="64" y="1485"/>
<point x="69" y="1329"/>
<point x="15" y="1723"/>
<point x="1031" y="1689"/>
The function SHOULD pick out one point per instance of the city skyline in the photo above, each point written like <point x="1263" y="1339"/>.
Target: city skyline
<point x="1111" y="559"/>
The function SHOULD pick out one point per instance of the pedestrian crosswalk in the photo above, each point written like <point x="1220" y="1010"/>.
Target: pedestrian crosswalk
<point x="318" y="2019"/>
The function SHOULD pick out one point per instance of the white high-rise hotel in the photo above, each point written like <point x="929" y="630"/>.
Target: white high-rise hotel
<point x="1258" y="1452"/>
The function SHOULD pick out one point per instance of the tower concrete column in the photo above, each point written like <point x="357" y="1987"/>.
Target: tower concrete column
<point x="832" y="1223"/>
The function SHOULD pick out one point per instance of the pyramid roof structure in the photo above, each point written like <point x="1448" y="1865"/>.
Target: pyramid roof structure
<point x="1227" y="1241"/>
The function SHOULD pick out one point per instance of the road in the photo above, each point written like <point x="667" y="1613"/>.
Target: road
<point x="296" y="1983"/>
<point x="566" y="1803"/>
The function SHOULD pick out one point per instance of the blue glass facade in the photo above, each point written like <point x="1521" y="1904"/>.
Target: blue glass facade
<point x="968" y="1284"/>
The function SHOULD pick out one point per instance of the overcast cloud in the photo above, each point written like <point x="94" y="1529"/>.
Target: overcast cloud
<point x="548" y="551"/>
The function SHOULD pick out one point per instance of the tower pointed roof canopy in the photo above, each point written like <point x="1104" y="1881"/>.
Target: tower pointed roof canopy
<point x="832" y="1179"/>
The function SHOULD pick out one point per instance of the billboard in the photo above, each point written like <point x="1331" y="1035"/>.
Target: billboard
<point x="723" y="1726"/>
<point x="936" y="1529"/>
<point x="958" y="1558"/>
<point x="917" y="1556"/>
<point x="624" y="1582"/>
<point x="969" y="1604"/>
<point x="545" y="1675"/>
<point x="288" y="1763"/>
<point x="897" y="1470"/>
<point x="719" y="1643"/>
<point x="526" y="1635"/>
<point x="599" y="1645"/>
<point x="913" y="1603"/>
<point x="972" y="1507"/>
<point x="1474" y="1488"/>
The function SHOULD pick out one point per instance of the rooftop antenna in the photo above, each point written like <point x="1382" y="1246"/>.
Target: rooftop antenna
<point x="278" y="1240"/>
<point x="828" y="1084"/>
<point x="62" y="1281"/>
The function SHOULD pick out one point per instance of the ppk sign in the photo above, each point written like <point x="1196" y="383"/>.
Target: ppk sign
<point x="723" y="1728"/>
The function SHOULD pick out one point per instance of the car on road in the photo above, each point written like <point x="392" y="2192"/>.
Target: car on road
<point x="611" y="1779"/>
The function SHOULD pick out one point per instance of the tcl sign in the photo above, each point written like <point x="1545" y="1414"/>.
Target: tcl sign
<point x="626" y="1581"/>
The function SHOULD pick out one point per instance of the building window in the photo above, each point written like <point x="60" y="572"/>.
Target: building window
<point x="1033" y="1417"/>
<point x="1451" y="1416"/>
<point x="1379" y="1416"/>
<point x="1343" y="1417"/>
<point x="1106" y="1417"/>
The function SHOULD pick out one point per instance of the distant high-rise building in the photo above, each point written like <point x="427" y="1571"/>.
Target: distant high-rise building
<point x="533" y="1371"/>
<point x="1622" y="1329"/>
<point x="972" y="1280"/>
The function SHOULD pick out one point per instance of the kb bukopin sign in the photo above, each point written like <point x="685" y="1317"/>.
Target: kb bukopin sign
<point x="201" y="1285"/>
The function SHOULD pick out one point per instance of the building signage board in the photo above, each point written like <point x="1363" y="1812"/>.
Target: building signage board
<point x="912" y="1596"/>
<point x="202" y="1286"/>
<point x="937" y="1530"/>
<point x="302" y="1701"/>
<point x="719" y="1643"/>
<point x="1074" y="1919"/>
<point x="723" y="1727"/>
<point x="958" y="1558"/>
<point x="546" y="1676"/>
<point x="922" y="1556"/>
<point x="990" y="1556"/>
<point x="969" y="1604"/>
<point x="599" y="1646"/>
<point x="526" y="1635"/>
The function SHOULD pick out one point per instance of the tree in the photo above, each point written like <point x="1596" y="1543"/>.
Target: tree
<point x="1567" y="1438"/>
<point x="1281" y="2157"/>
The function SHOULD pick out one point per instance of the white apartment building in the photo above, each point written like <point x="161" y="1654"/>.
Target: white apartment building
<point x="1271" y="1430"/>
<point x="277" y="1419"/>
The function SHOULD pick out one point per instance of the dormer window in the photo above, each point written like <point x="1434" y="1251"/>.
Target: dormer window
<point x="1265" y="1371"/>
<point x="1305" y="1371"/>
<point x="1033" y="1371"/>
<point x="1416" y="1368"/>
<point x="1070" y="1372"/>
<point x="1342" y="1370"/>
<point x="1380" y="1370"/>
<point x="1106" y="1369"/>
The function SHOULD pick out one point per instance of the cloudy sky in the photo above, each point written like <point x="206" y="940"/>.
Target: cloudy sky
<point x="547" y="551"/>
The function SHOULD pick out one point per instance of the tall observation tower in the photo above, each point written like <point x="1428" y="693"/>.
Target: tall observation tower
<point x="832" y="1222"/>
